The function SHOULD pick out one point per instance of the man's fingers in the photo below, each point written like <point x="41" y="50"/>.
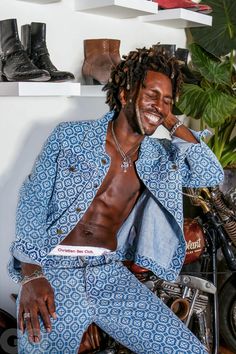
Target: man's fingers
<point x="51" y="306"/>
<point x="45" y="315"/>
<point x="20" y="319"/>
<point x="27" y="321"/>
<point x="35" y="332"/>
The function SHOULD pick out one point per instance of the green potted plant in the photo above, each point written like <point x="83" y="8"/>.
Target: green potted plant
<point x="213" y="99"/>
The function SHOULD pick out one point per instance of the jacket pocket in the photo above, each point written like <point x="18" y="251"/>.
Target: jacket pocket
<point x="73" y="173"/>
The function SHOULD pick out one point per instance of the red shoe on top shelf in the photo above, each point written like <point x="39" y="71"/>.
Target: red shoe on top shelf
<point x="185" y="4"/>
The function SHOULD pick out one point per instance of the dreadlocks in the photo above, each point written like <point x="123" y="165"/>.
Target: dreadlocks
<point x="133" y="69"/>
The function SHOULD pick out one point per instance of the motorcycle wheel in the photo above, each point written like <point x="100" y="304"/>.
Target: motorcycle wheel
<point x="227" y="313"/>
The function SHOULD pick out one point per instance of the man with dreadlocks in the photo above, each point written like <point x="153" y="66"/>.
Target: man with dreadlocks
<point x="102" y="192"/>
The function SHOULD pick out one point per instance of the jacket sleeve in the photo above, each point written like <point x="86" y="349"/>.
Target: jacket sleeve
<point x="34" y="197"/>
<point x="198" y="165"/>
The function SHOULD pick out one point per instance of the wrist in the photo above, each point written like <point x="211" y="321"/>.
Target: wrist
<point x="175" y="127"/>
<point x="170" y="121"/>
<point x="37" y="274"/>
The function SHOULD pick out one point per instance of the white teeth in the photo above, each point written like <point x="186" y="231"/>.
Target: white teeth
<point x="152" y="118"/>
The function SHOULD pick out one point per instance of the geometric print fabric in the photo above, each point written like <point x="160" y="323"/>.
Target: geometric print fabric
<point x="112" y="297"/>
<point x="70" y="169"/>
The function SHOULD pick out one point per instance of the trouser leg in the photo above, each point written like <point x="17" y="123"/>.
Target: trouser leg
<point x="74" y="314"/>
<point x="129" y="312"/>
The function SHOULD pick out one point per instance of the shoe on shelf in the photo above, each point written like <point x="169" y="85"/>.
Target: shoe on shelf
<point x="15" y="65"/>
<point x="100" y="55"/>
<point x="189" y="77"/>
<point x="33" y="38"/>
<point x="181" y="54"/>
<point x="168" y="49"/>
<point x="185" y="4"/>
<point x="114" y="51"/>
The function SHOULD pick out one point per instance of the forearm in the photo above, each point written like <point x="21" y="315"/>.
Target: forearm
<point x="182" y="131"/>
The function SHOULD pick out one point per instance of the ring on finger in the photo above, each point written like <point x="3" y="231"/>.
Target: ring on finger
<point x="26" y="315"/>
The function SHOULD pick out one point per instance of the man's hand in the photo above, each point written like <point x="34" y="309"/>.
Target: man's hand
<point x="170" y="121"/>
<point x="181" y="132"/>
<point x="36" y="299"/>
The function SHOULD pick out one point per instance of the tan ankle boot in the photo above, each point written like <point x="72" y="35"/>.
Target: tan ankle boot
<point x="97" y="62"/>
<point x="114" y="51"/>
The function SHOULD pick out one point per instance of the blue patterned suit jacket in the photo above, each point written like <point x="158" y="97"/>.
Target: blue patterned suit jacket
<point x="68" y="173"/>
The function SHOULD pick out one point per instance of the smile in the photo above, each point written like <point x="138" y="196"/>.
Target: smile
<point x="154" y="119"/>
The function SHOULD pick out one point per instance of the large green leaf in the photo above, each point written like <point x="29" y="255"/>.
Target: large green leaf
<point x="212" y="69"/>
<point x="225" y="130"/>
<point x="219" y="107"/>
<point x="210" y="105"/>
<point x="192" y="101"/>
<point x="228" y="159"/>
<point x="219" y="39"/>
<point x="231" y="146"/>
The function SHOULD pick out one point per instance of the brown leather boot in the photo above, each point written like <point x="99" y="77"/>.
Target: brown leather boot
<point x="114" y="51"/>
<point x="97" y="62"/>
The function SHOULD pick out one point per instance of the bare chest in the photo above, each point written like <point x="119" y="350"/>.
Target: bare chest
<point x="120" y="184"/>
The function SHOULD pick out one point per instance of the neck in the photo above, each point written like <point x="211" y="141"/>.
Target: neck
<point x="125" y="134"/>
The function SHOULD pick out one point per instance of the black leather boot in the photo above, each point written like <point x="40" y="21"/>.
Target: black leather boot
<point x="15" y="65"/>
<point x="181" y="54"/>
<point x="33" y="38"/>
<point x="168" y="49"/>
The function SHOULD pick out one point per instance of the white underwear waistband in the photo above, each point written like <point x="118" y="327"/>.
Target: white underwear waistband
<point x="65" y="250"/>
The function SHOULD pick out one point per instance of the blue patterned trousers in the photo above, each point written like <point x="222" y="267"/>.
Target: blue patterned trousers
<point x="102" y="290"/>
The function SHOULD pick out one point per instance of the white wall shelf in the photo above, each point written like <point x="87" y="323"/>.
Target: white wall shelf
<point x="49" y="89"/>
<point x="21" y="89"/>
<point x="40" y="1"/>
<point x="117" y="8"/>
<point x="178" y="18"/>
<point x="92" y="91"/>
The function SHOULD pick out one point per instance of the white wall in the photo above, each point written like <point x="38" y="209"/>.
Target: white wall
<point x="26" y="122"/>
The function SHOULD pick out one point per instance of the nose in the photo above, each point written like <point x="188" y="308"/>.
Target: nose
<point x="158" y="107"/>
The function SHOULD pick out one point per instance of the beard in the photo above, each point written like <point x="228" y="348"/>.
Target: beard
<point x="132" y="113"/>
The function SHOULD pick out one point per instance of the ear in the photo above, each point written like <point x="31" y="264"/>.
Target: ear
<point x="122" y="97"/>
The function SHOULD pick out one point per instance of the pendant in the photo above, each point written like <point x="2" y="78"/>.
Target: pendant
<point x="126" y="163"/>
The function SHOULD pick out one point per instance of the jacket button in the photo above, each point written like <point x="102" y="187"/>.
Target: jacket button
<point x="104" y="161"/>
<point x="72" y="168"/>
<point x="59" y="231"/>
<point x="174" y="166"/>
<point x="78" y="209"/>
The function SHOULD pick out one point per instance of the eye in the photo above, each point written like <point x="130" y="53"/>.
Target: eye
<point x="167" y="101"/>
<point x="151" y="96"/>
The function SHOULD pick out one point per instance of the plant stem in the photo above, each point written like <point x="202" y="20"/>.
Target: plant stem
<point x="217" y="143"/>
<point x="202" y="124"/>
<point x="228" y="129"/>
<point x="231" y="60"/>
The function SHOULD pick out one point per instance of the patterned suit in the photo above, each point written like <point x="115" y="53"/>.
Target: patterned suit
<point x="63" y="183"/>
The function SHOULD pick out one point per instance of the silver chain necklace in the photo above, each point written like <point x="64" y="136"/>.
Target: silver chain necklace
<point x="127" y="161"/>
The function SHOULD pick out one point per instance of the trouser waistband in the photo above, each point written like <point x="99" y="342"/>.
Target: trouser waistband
<point x="82" y="261"/>
<point x="69" y="251"/>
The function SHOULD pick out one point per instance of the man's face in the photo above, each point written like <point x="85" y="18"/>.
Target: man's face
<point x="152" y="105"/>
